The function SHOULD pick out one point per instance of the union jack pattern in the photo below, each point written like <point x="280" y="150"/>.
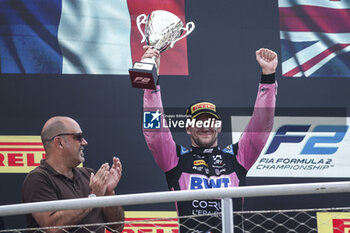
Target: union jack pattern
<point x="315" y="38"/>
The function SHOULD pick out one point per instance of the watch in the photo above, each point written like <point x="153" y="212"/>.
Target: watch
<point x="91" y="195"/>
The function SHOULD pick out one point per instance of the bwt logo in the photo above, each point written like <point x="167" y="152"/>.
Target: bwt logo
<point x="310" y="145"/>
<point x="205" y="183"/>
<point x="151" y="120"/>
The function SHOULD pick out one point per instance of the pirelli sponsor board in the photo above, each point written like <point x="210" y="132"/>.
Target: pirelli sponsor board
<point x="20" y="154"/>
<point x="151" y="221"/>
<point x="333" y="222"/>
<point x="302" y="147"/>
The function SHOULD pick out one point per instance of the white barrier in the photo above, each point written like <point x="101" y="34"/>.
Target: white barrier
<point x="171" y="196"/>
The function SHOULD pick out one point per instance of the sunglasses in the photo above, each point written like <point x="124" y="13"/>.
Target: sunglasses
<point x="76" y="136"/>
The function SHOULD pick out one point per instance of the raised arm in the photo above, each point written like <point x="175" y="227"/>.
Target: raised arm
<point x="260" y="125"/>
<point x="159" y="141"/>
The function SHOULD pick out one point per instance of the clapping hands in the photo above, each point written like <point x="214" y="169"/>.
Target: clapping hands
<point x="106" y="178"/>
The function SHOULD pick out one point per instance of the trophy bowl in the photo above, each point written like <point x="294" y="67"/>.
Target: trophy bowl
<point x="162" y="30"/>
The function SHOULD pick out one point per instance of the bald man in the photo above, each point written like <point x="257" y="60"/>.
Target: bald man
<point x="58" y="177"/>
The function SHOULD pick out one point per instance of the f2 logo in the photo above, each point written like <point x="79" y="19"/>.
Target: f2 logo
<point x="310" y="146"/>
<point x="142" y="80"/>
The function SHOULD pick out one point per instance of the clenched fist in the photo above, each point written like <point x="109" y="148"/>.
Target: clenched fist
<point x="267" y="60"/>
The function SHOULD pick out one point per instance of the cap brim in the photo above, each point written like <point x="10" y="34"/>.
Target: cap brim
<point x="206" y="112"/>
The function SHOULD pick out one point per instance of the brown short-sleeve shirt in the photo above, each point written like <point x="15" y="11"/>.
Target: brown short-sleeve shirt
<point x="45" y="184"/>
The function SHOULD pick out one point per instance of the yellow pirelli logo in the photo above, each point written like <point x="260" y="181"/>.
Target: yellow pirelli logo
<point x="203" y="105"/>
<point x="20" y="154"/>
<point x="333" y="222"/>
<point x="151" y="221"/>
<point x="200" y="162"/>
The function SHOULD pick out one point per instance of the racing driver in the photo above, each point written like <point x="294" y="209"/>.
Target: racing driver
<point x="205" y="165"/>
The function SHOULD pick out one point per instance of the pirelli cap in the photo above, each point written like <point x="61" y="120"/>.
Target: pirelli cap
<point x="201" y="107"/>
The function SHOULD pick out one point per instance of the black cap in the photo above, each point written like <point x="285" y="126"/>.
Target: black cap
<point x="201" y="107"/>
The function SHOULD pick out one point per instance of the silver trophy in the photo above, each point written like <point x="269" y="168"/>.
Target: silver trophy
<point x="162" y="30"/>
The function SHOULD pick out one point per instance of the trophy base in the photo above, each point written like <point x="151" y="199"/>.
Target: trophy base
<point x="143" y="75"/>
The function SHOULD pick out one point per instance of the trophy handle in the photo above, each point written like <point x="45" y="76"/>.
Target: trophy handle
<point x="188" y="31"/>
<point x="140" y="21"/>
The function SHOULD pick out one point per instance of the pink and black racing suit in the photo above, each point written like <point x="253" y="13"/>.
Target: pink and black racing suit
<point x="204" y="168"/>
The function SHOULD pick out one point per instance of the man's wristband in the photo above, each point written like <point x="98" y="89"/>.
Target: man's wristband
<point x="267" y="78"/>
<point x="91" y="195"/>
